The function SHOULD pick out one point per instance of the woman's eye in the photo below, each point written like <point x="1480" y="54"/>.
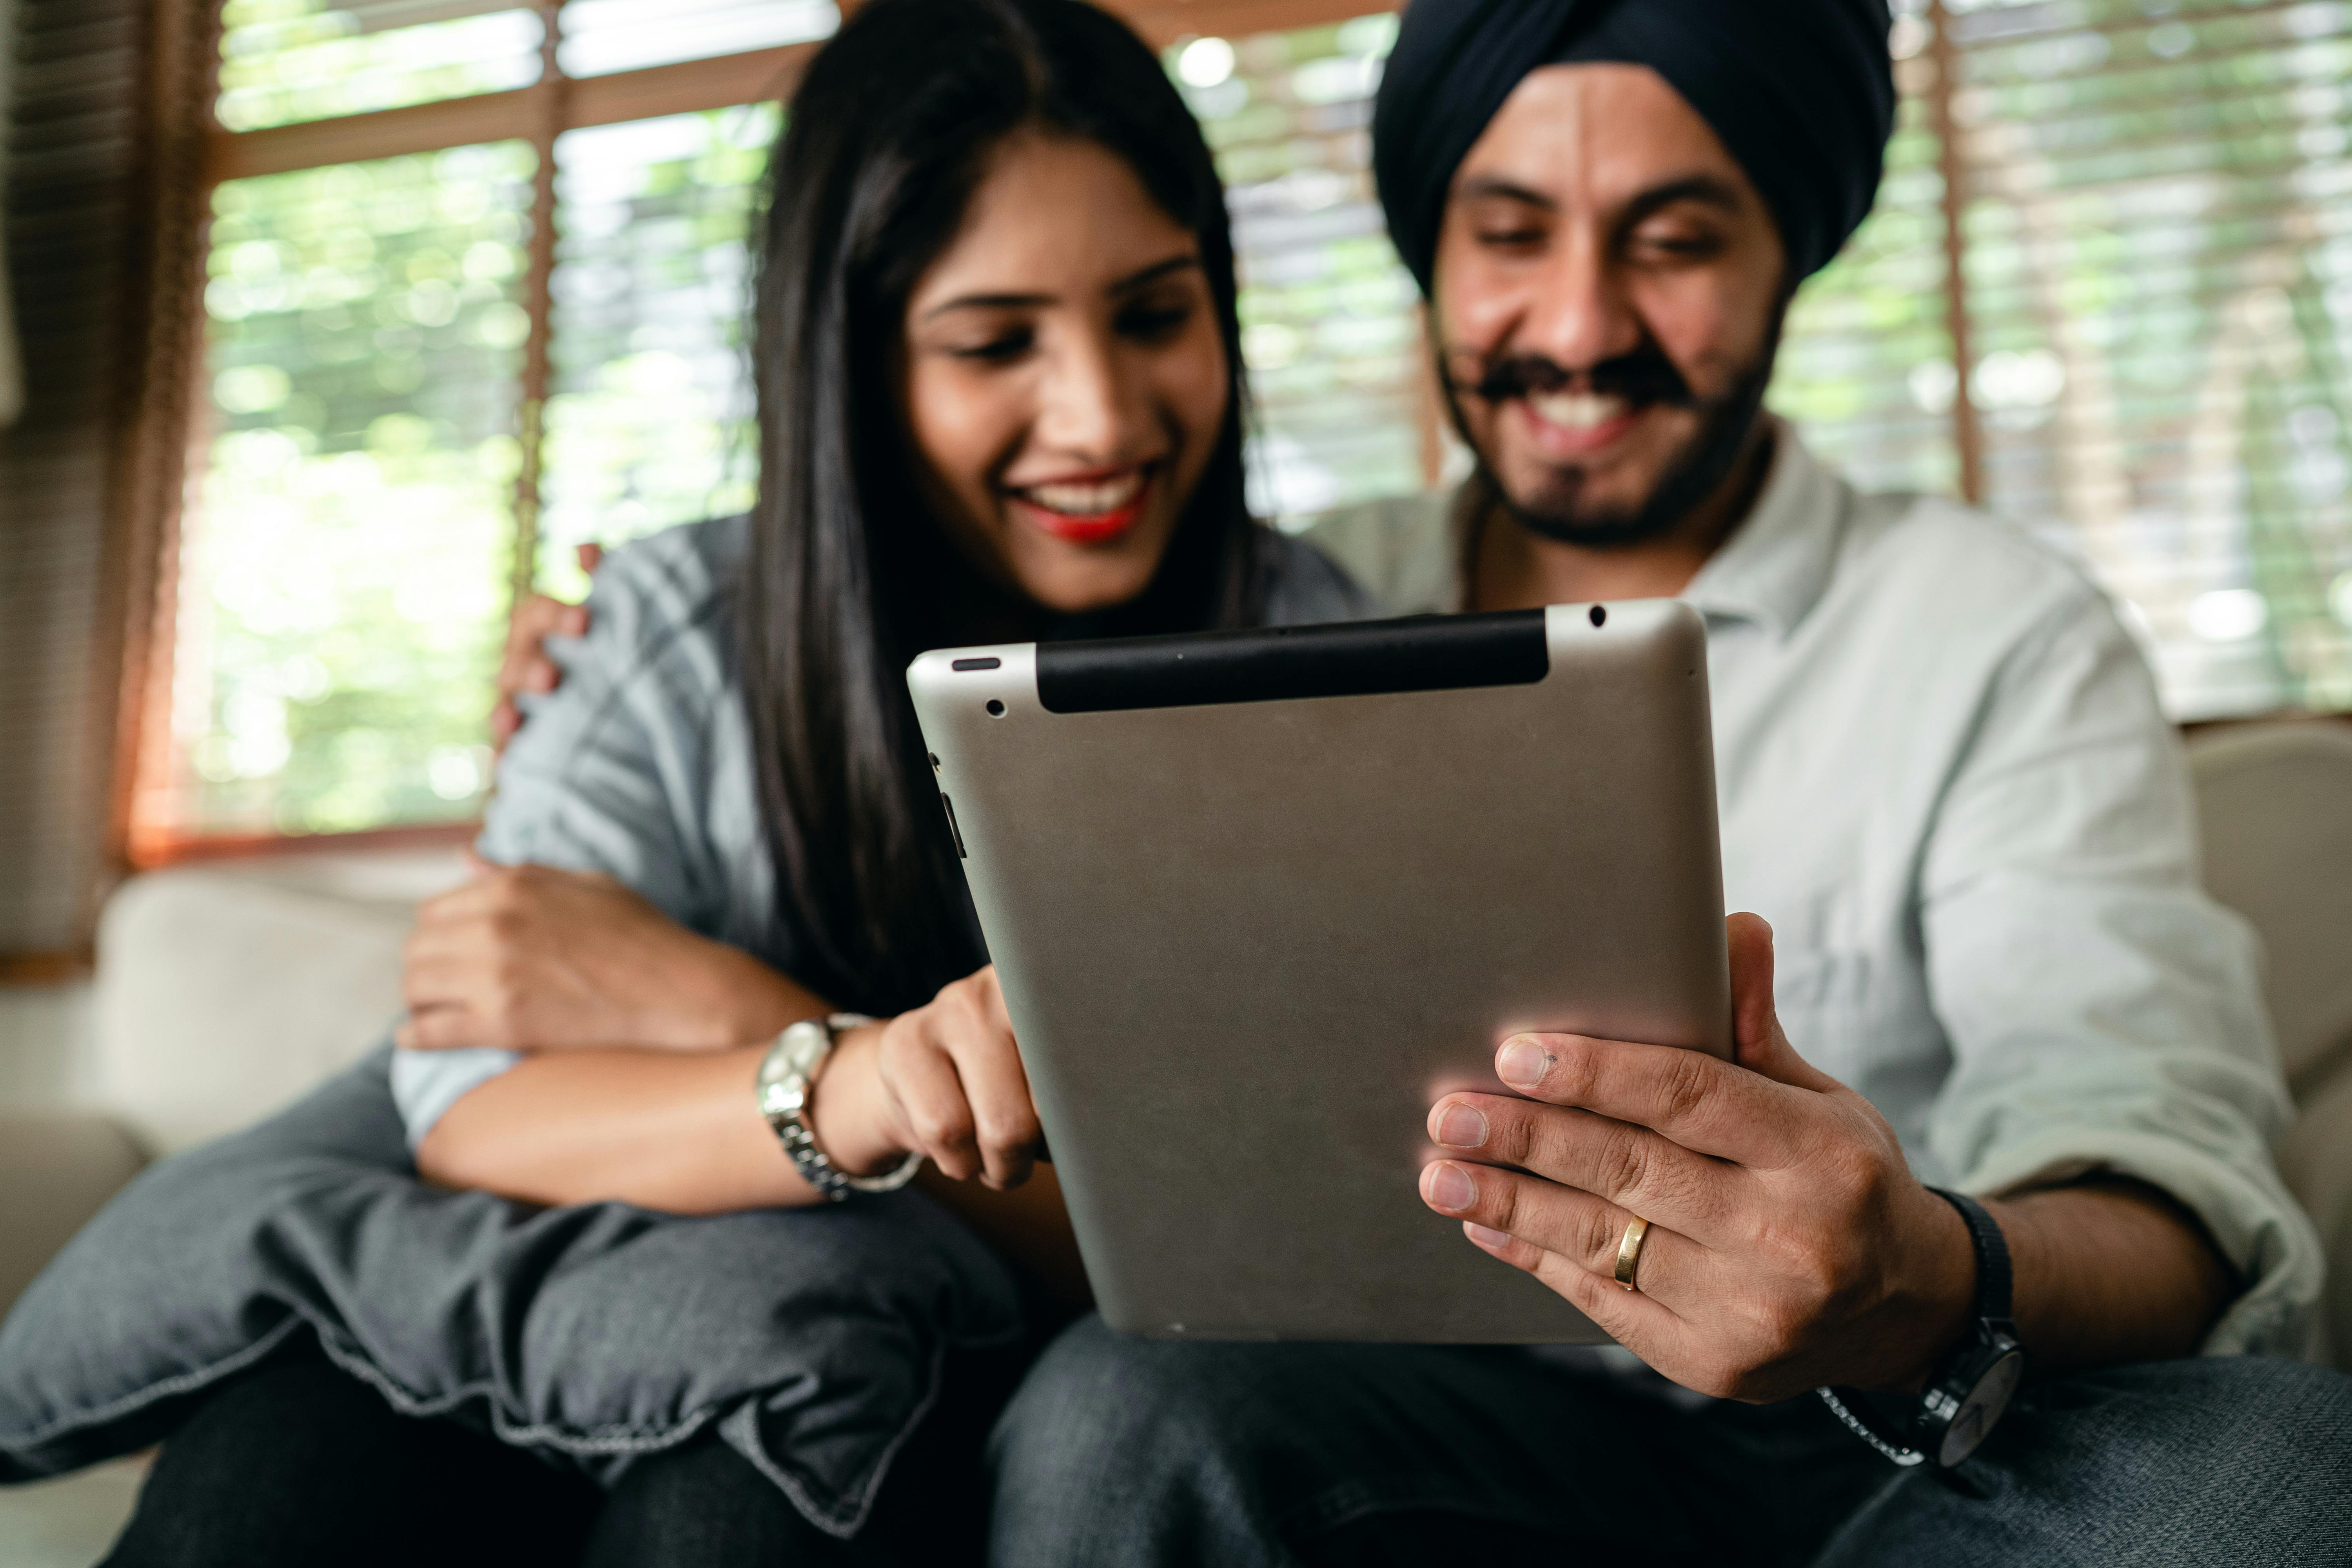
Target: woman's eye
<point x="1518" y="238"/>
<point x="1153" y="322"/>
<point x="998" y="349"/>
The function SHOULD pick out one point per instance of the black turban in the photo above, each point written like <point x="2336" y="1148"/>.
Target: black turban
<point x="1801" y="91"/>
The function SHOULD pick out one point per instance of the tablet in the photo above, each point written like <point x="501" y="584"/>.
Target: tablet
<point x="1258" y="898"/>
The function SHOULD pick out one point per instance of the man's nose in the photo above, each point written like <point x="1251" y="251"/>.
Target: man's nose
<point x="1578" y="314"/>
<point x="1088" y="406"/>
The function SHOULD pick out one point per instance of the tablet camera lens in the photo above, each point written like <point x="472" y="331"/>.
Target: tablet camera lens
<point x="1600" y="616"/>
<point x="995" y="709"/>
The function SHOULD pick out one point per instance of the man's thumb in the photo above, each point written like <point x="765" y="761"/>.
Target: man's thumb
<point x="1761" y="1044"/>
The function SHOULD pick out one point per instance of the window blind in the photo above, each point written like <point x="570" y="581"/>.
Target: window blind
<point x="71" y="162"/>
<point x="287" y="61"/>
<point x="601" y="36"/>
<point x="649" y="424"/>
<point x="1865" y="359"/>
<point x="1341" y="400"/>
<point x="2158" y="224"/>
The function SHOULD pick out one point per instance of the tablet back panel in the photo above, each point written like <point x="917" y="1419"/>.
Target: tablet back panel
<point x="1258" y="898"/>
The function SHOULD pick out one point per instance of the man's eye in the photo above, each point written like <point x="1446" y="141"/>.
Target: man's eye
<point x="1516" y="237"/>
<point x="1677" y="246"/>
<point x="998" y="349"/>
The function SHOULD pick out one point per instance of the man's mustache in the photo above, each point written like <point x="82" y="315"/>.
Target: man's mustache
<point x="1643" y="375"/>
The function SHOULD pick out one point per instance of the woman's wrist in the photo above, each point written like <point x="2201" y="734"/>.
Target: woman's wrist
<point x="849" y="1108"/>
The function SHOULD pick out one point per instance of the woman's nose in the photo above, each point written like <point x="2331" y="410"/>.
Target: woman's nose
<point x="1090" y="407"/>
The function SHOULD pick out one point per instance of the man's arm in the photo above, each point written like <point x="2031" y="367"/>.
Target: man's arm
<point x="2105" y="1016"/>
<point x="2109" y="1270"/>
<point x="1790" y="1244"/>
<point x="525" y="669"/>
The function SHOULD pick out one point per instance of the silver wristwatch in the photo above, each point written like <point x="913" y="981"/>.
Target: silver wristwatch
<point x="786" y="1087"/>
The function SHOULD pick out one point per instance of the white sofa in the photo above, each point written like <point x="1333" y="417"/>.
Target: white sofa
<point x="222" y="992"/>
<point x="225" y="992"/>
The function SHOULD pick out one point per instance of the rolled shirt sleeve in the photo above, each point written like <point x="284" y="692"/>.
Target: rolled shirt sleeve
<point x="2102" y="1013"/>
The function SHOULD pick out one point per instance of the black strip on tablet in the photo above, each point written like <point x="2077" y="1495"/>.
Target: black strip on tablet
<point x="1350" y="659"/>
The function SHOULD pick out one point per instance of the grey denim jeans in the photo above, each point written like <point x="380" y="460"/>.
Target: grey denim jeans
<point x="1122" y="1453"/>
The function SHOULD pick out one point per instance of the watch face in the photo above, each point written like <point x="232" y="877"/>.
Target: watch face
<point x="1973" y="1422"/>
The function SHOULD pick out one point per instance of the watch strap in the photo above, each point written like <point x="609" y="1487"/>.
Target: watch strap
<point x="1952" y="1418"/>
<point x="785" y="1086"/>
<point x="1995" y="1285"/>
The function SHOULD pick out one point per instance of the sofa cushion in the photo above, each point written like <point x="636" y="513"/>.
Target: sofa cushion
<point x="2316" y="1157"/>
<point x="2272" y="809"/>
<point x="225" y="993"/>
<point x="71" y="1521"/>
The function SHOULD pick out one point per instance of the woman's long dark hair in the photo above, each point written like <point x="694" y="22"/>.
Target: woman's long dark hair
<point x="886" y="140"/>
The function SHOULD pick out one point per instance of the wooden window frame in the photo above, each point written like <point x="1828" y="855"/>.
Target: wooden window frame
<point x="192" y="153"/>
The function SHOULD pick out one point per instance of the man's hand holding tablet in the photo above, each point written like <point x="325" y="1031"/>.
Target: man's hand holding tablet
<point x="1789" y="1244"/>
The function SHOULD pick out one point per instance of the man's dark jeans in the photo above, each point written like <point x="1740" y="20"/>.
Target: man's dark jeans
<point x="1121" y="1452"/>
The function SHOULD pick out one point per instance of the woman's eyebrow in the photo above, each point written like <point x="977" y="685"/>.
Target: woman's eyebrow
<point x="1145" y="277"/>
<point x="989" y="302"/>
<point x="1140" y="278"/>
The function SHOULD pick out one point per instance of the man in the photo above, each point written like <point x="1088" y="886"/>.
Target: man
<point x="1946" y="782"/>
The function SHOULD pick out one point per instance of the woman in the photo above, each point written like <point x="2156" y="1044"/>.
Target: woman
<point x="999" y="377"/>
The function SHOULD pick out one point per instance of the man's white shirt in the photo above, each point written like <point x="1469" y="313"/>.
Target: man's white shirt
<point x="1945" y="779"/>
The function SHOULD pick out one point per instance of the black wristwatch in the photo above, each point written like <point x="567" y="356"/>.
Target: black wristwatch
<point x="1972" y="1387"/>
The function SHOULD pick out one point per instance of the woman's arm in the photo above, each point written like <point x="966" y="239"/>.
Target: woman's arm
<point x="682" y="1131"/>
<point x="663" y="1130"/>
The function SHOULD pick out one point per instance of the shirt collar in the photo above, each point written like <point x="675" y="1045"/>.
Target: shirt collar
<point x="1776" y="563"/>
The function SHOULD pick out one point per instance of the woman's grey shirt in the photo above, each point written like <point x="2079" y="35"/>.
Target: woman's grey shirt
<point x="640" y="766"/>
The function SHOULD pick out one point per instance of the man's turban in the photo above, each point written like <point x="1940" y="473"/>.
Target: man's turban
<point x="1801" y="91"/>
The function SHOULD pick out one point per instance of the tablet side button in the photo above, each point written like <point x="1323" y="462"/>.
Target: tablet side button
<point x="957" y="833"/>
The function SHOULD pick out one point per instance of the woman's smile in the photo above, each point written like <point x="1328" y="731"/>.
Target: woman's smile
<point x="1086" y="509"/>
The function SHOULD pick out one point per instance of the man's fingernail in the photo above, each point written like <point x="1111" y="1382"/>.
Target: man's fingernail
<point x="1486" y="1236"/>
<point x="1449" y="1186"/>
<point x="1460" y="1128"/>
<point x="1521" y="1063"/>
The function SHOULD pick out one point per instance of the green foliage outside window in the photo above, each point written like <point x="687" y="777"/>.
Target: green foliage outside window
<point x="343" y="588"/>
<point x="650" y="420"/>
<point x="283" y="61"/>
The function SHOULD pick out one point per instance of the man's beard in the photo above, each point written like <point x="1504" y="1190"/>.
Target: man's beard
<point x="1643" y="377"/>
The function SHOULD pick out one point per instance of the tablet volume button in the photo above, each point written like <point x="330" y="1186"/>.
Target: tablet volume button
<point x="953" y="830"/>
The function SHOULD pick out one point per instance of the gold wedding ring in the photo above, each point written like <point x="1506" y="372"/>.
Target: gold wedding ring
<point x="1629" y="1251"/>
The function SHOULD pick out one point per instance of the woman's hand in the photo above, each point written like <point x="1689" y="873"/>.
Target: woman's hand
<point x="944" y="1079"/>
<point x="530" y="958"/>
